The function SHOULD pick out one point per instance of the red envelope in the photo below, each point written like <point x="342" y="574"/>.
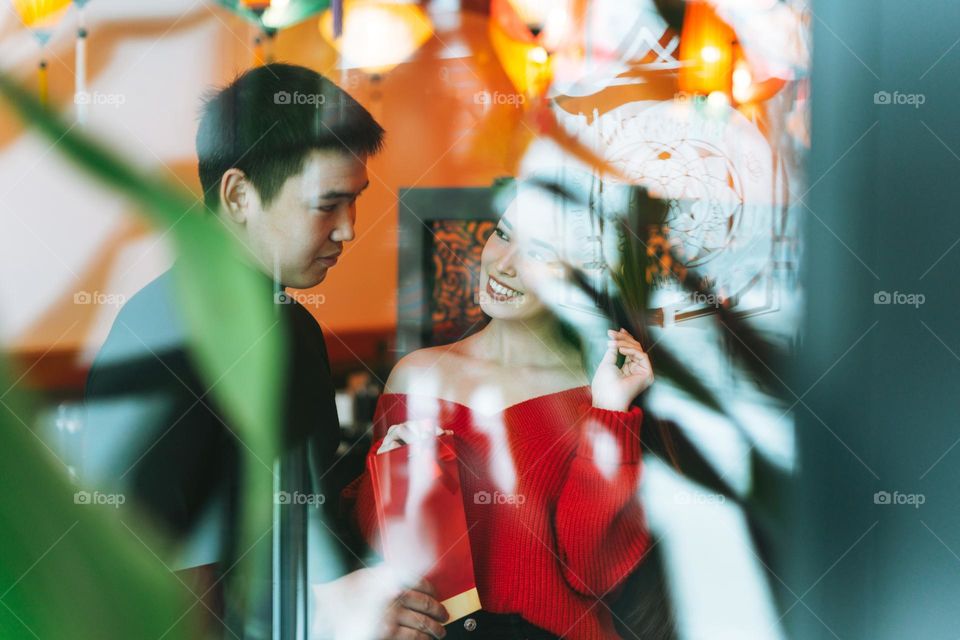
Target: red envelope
<point x="423" y="527"/>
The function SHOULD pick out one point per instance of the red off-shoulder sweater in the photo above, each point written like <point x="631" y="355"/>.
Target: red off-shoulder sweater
<point x="550" y="494"/>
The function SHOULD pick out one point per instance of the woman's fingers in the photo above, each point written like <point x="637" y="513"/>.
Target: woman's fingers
<point x="403" y="435"/>
<point x="623" y="336"/>
<point x="610" y="355"/>
<point x="631" y="352"/>
<point x="411" y="432"/>
<point x="626" y="347"/>
<point x="622" y="333"/>
<point x="396" y="437"/>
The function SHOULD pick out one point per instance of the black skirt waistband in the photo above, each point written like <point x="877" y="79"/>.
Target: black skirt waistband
<point x="495" y="626"/>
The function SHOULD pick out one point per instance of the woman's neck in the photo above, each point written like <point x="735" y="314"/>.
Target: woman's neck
<point x="534" y="342"/>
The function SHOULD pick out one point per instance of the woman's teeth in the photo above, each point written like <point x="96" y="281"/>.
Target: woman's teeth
<point x="502" y="290"/>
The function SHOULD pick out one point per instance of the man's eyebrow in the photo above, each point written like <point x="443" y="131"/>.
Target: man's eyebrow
<point x="333" y="195"/>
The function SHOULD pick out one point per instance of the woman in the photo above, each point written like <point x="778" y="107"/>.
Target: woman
<point x="549" y="455"/>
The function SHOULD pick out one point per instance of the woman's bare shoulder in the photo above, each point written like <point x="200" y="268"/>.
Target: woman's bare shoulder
<point x="424" y="369"/>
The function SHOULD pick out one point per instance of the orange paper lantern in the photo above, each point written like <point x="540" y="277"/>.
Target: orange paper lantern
<point x="524" y="59"/>
<point x="706" y="51"/>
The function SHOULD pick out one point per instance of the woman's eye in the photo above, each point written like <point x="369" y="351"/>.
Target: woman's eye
<point x="540" y="257"/>
<point x="500" y="233"/>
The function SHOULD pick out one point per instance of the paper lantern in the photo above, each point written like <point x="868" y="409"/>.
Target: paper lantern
<point x="706" y="51"/>
<point x="522" y="53"/>
<point x="377" y="35"/>
<point x="276" y="15"/>
<point x="747" y="90"/>
<point x="38" y="13"/>
<point x="271" y="17"/>
<point x="40" y="16"/>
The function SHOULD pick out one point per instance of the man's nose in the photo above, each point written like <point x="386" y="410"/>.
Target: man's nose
<point x="344" y="231"/>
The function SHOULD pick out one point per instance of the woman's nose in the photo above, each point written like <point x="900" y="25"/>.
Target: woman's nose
<point x="506" y="263"/>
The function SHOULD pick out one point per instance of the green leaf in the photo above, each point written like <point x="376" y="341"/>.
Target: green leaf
<point x="228" y="306"/>
<point x="70" y="570"/>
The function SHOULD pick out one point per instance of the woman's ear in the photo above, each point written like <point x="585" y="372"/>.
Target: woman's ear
<point x="235" y="194"/>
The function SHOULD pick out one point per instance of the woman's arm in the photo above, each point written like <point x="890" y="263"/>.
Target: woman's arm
<point x="600" y="528"/>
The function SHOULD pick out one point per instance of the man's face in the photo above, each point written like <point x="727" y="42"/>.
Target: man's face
<point x="300" y="234"/>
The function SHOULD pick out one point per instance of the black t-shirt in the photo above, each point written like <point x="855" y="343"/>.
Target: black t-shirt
<point x="153" y="429"/>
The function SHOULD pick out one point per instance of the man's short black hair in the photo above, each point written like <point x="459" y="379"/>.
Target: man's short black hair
<point x="266" y="122"/>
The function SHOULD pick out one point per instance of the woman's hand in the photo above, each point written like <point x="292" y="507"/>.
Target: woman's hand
<point x="613" y="387"/>
<point x="410" y="432"/>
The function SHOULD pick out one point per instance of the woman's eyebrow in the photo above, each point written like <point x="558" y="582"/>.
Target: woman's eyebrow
<point x="545" y="245"/>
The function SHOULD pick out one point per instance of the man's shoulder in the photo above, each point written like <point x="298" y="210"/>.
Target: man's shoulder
<point x="146" y="331"/>
<point x="150" y="315"/>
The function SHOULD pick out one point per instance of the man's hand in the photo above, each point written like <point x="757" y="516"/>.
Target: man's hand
<point x="415" y="615"/>
<point x="371" y="604"/>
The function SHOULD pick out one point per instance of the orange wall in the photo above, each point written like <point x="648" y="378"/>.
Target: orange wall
<point x="437" y="135"/>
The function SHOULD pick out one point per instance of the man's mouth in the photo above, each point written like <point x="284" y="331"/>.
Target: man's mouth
<point x="330" y="260"/>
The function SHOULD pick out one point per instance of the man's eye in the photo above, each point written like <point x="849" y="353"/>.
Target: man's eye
<point x="327" y="208"/>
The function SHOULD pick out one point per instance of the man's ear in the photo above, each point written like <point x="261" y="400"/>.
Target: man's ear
<point x="235" y="194"/>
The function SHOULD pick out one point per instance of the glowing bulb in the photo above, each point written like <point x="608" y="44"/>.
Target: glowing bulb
<point x="710" y="54"/>
<point x="377" y="35"/>
<point x="742" y="78"/>
<point x="742" y="83"/>
<point x="717" y="99"/>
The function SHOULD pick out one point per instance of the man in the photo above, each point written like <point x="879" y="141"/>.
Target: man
<point x="282" y="160"/>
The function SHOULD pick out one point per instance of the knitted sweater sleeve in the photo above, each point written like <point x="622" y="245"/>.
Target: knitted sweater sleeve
<point x="600" y="527"/>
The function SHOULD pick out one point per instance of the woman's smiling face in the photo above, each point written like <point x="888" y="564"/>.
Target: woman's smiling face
<point x="524" y="258"/>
